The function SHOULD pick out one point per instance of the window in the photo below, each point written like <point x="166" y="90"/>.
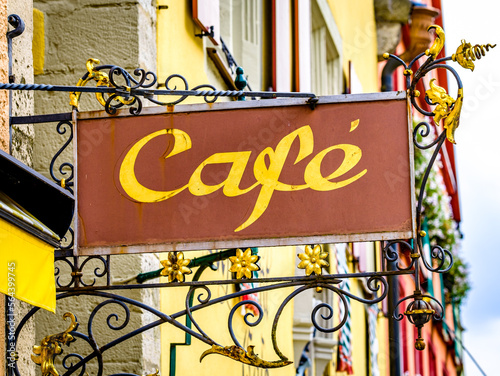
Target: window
<point x="326" y="47"/>
<point x="241" y="30"/>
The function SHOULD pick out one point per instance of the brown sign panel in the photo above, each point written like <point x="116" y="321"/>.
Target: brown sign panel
<point x="256" y="173"/>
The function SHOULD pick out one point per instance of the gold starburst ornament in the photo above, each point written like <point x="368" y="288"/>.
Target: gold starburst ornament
<point x="313" y="260"/>
<point x="175" y="267"/>
<point x="244" y="263"/>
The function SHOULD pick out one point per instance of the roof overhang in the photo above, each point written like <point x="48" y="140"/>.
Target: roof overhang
<point x="41" y="198"/>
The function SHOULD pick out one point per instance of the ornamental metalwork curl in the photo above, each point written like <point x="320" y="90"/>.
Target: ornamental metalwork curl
<point x="77" y="277"/>
<point x="211" y="92"/>
<point x="68" y="241"/>
<point x="76" y="363"/>
<point x="128" y="89"/>
<point x="202" y="300"/>
<point x="245" y="317"/>
<point x="329" y="315"/>
<point x="392" y="255"/>
<point x="67" y="364"/>
<point x="446" y="110"/>
<point x="65" y="169"/>
<point x="423" y="129"/>
<point x="419" y="311"/>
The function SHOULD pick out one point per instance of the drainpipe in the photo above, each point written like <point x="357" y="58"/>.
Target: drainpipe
<point x="386" y="79"/>
<point x="421" y="18"/>
<point x="395" y="364"/>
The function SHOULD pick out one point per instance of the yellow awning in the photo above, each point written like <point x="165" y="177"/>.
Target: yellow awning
<point x="26" y="267"/>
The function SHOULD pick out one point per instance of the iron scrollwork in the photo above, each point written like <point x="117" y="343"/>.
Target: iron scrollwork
<point x="77" y="362"/>
<point x="132" y="87"/>
<point x="446" y="111"/>
<point x="116" y="88"/>
<point x="78" y="277"/>
<point x="65" y="169"/>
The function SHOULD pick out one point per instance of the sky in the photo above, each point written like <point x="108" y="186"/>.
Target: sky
<point x="478" y="156"/>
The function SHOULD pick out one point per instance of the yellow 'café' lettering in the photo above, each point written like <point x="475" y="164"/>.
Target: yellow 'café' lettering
<point x="267" y="176"/>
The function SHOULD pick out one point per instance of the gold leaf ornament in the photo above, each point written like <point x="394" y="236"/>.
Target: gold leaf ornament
<point x="101" y="78"/>
<point x="438" y="44"/>
<point x="447" y="108"/>
<point x="51" y="346"/>
<point x="175" y="267"/>
<point x="244" y="263"/>
<point x="313" y="260"/>
<point x="453" y="119"/>
<point x="441" y="99"/>
<point x="466" y="53"/>
<point x="247" y="357"/>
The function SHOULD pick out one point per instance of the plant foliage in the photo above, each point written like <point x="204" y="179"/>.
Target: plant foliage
<point x="442" y="228"/>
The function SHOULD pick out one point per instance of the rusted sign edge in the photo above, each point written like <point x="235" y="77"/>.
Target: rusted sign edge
<point x="412" y="171"/>
<point x="235" y="105"/>
<point x="221" y="244"/>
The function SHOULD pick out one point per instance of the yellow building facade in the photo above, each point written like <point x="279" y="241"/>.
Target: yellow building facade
<point x="320" y="46"/>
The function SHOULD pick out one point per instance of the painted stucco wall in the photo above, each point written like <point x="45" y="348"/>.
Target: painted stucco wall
<point x="356" y="22"/>
<point x="274" y="262"/>
<point x="180" y="52"/>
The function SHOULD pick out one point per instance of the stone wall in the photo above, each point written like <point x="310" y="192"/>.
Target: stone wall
<point x="390" y="15"/>
<point x="120" y="33"/>
<point x="22" y="136"/>
<point x="22" y="69"/>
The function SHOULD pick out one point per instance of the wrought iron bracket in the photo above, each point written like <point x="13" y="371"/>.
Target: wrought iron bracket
<point x="209" y="33"/>
<point x="18" y="24"/>
<point x="115" y="88"/>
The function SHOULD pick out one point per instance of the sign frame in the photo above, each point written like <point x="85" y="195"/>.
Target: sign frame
<point x="239" y="243"/>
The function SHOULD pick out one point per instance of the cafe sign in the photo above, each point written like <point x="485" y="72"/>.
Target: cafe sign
<point x="238" y="174"/>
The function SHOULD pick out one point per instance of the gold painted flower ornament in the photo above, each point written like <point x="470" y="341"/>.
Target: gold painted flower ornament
<point x="244" y="263"/>
<point x="313" y="260"/>
<point x="175" y="267"/>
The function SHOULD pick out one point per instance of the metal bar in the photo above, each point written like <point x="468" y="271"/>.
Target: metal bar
<point x="148" y="92"/>
<point x="323" y="279"/>
<point x="35" y="119"/>
<point x="18" y="24"/>
<point x="42" y="87"/>
<point x="203" y="261"/>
